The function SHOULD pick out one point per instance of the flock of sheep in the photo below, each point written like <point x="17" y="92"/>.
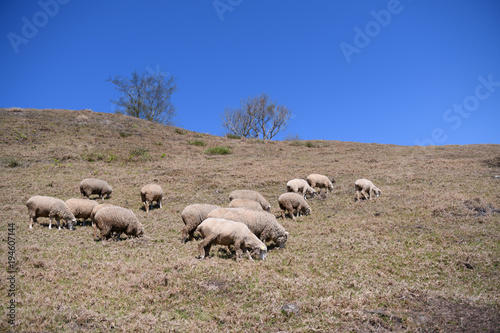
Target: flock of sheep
<point x="246" y="224"/>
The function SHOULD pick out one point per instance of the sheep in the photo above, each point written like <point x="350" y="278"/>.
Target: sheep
<point x="365" y="188"/>
<point x="300" y="186"/>
<point x="53" y="208"/>
<point x="81" y="208"/>
<point x="91" y="186"/>
<point x="96" y="209"/>
<point x="150" y="193"/>
<point x="262" y="224"/>
<point x="117" y="219"/>
<point x="192" y="216"/>
<point x="245" y="203"/>
<point x="321" y="181"/>
<point x="293" y="202"/>
<point x="225" y="232"/>
<point x="250" y="195"/>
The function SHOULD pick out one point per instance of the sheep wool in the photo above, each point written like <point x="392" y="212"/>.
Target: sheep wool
<point x="96" y="209"/>
<point x="365" y="188"/>
<point x="192" y="216"/>
<point x="81" y="208"/>
<point x="53" y="208"/>
<point x="225" y="232"/>
<point x="300" y="186"/>
<point x="150" y="193"/>
<point x="293" y="202"/>
<point x="91" y="186"/>
<point x="119" y="220"/>
<point x="263" y="224"/>
<point x="245" y="203"/>
<point x="321" y="181"/>
<point x="250" y="195"/>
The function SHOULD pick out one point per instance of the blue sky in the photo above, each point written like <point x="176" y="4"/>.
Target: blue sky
<point x="397" y="72"/>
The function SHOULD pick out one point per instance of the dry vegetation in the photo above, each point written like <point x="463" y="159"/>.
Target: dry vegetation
<point x="422" y="257"/>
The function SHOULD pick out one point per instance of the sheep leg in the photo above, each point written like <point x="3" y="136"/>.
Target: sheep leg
<point x="159" y="202"/>
<point x="239" y="251"/>
<point x="248" y="254"/>
<point x="204" y="247"/>
<point x="363" y="192"/>
<point x="95" y="230"/>
<point x="31" y="222"/>
<point x="50" y="222"/>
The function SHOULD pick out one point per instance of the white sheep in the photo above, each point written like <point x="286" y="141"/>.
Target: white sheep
<point x="225" y="232"/>
<point x="250" y="195"/>
<point x="192" y="216"/>
<point x="365" y="188"/>
<point x="53" y="208"/>
<point x="321" y="181"/>
<point x="96" y="209"/>
<point x="263" y="224"/>
<point x="119" y="220"/>
<point x="245" y="203"/>
<point x="150" y="193"/>
<point x="91" y="186"/>
<point x="293" y="202"/>
<point x="81" y="208"/>
<point x="300" y="186"/>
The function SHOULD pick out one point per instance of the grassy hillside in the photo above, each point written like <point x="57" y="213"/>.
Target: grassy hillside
<point x="422" y="257"/>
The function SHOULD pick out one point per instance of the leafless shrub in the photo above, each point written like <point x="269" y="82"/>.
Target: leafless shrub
<point x="257" y="116"/>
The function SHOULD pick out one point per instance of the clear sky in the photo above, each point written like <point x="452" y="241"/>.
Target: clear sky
<point x="401" y="72"/>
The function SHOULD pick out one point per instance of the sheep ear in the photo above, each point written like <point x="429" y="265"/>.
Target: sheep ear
<point x="286" y="233"/>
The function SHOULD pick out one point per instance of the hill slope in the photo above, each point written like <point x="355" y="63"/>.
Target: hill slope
<point x="423" y="256"/>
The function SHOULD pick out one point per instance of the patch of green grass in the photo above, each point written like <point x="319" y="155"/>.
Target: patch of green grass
<point x="12" y="162"/>
<point x="179" y="131"/>
<point x="232" y="136"/>
<point x="124" y="134"/>
<point x="218" y="150"/>
<point x="93" y="157"/>
<point x="197" y="143"/>
<point x="296" y="143"/>
<point x="138" y="152"/>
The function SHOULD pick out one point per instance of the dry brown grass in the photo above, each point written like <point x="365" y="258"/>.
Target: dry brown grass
<point x="422" y="257"/>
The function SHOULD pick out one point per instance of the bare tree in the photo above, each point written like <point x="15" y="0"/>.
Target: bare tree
<point x="257" y="116"/>
<point x="146" y="95"/>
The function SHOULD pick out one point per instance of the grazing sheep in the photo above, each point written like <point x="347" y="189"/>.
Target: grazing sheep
<point x="300" y="186"/>
<point x="365" y="188"/>
<point x="81" y="208"/>
<point x="117" y="219"/>
<point x="96" y="209"/>
<point x="91" y="186"/>
<point x="321" y="181"/>
<point x="250" y="195"/>
<point x="245" y="203"/>
<point x="262" y="224"/>
<point x="192" y="216"/>
<point x="53" y="208"/>
<point x="150" y="193"/>
<point x="293" y="202"/>
<point x="225" y="232"/>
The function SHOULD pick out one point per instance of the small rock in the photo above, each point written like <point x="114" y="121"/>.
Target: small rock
<point x="496" y="176"/>
<point x="289" y="309"/>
